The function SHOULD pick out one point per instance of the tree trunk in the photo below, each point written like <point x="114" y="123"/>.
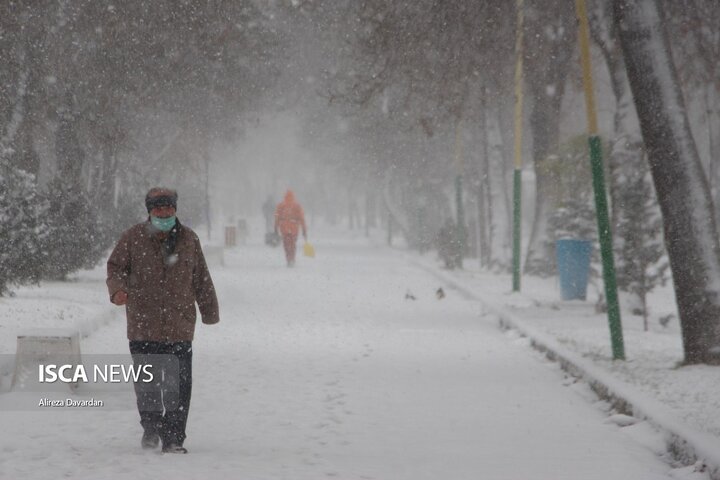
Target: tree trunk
<point x="503" y="125"/>
<point x="70" y="154"/>
<point x="544" y="124"/>
<point x="680" y="183"/>
<point x="208" y="216"/>
<point x="711" y="110"/>
<point x="484" y="205"/>
<point x="626" y="144"/>
<point x="554" y="26"/>
<point x="487" y="187"/>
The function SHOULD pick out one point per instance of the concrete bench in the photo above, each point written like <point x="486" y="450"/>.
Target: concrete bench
<point x="43" y="347"/>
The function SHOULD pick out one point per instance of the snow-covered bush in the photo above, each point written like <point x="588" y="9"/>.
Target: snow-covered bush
<point x="641" y="260"/>
<point x="74" y="241"/>
<point x="22" y="227"/>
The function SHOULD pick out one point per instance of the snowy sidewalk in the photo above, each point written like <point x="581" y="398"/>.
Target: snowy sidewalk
<point x="327" y="371"/>
<point x="681" y="402"/>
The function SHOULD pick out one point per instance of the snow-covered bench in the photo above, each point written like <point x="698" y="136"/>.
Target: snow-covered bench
<point x="35" y="347"/>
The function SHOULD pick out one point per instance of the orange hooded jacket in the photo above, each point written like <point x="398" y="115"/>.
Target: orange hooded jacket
<point x="289" y="216"/>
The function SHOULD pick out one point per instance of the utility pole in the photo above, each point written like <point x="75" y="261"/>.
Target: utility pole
<point x="601" y="205"/>
<point x="517" y="185"/>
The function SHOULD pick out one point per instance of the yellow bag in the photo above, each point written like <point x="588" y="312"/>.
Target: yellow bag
<point x="308" y="250"/>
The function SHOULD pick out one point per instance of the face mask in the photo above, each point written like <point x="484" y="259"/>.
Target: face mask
<point x="163" y="224"/>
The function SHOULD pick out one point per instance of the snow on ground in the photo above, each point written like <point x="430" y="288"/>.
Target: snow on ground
<point x="328" y="371"/>
<point x="653" y="357"/>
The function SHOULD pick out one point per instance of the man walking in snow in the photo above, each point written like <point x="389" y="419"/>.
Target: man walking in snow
<point x="289" y="218"/>
<point x="158" y="271"/>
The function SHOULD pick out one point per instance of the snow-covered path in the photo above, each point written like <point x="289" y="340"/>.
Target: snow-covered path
<point x="327" y="371"/>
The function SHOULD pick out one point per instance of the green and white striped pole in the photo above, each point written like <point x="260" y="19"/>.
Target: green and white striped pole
<point x="601" y="204"/>
<point x="517" y="186"/>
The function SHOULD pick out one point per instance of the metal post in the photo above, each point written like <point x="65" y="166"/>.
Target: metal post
<point x="517" y="190"/>
<point x="608" y="262"/>
<point x="517" y="217"/>
<point x="601" y="205"/>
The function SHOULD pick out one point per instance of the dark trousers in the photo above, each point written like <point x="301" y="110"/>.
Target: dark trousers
<point x="289" y="243"/>
<point x="164" y="405"/>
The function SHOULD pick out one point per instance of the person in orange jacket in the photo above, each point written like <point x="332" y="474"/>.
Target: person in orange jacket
<point x="289" y="219"/>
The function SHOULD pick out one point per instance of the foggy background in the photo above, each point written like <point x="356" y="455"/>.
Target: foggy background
<point x="373" y="112"/>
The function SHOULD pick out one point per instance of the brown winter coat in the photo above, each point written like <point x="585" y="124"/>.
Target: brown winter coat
<point x="161" y="298"/>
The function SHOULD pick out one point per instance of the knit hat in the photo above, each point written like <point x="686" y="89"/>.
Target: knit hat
<point x="160" y="197"/>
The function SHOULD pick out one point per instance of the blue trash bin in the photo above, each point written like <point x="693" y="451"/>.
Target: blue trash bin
<point x="573" y="262"/>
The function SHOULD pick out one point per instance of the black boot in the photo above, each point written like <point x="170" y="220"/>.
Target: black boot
<point x="150" y="439"/>
<point x="173" y="448"/>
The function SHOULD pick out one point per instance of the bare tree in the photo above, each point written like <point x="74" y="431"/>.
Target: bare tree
<point x="421" y="70"/>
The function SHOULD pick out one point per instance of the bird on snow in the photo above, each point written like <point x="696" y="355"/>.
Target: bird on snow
<point x="440" y="293"/>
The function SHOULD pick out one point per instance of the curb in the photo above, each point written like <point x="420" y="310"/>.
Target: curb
<point x="684" y="444"/>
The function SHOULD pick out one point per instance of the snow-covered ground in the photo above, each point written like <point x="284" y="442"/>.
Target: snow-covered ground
<point x="653" y="362"/>
<point x="328" y="371"/>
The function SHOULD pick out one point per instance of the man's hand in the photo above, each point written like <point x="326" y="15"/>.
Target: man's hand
<point x="119" y="298"/>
